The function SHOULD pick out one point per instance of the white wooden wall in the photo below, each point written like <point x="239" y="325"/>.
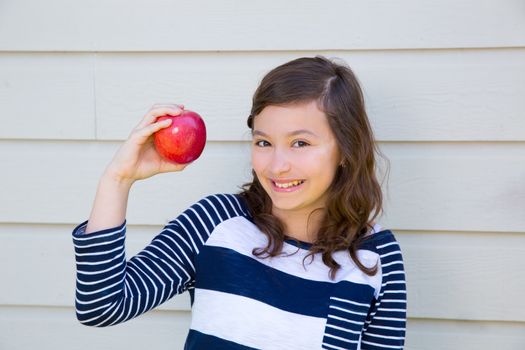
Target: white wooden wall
<point x="445" y="86"/>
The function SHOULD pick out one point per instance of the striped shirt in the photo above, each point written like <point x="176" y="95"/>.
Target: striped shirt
<point x="240" y="301"/>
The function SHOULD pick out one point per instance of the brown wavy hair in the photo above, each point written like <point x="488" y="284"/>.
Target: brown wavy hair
<point x="354" y="198"/>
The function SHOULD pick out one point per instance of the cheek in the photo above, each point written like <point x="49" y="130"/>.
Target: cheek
<point x="324" y="160"/>
<point x="324" y="167"/>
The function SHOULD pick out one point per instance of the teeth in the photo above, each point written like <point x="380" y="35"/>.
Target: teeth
<point x="289" y="184"/>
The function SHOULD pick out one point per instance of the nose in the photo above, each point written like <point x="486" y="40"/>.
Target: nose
<point x="280" y="162"/>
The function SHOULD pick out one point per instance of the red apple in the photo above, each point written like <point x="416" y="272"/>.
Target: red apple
<point x="183" y="141"/>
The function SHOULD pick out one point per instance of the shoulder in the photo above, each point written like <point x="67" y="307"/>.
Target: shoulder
<point x="384" y="245"/>
<point x="388" y="251"/>
<point x="233" y="203"/>
<point x="381" y="241"/>
<point x="200" y="220"/>
<point x="217" y="208"/>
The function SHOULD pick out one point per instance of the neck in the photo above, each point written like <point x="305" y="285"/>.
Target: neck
<point x="300" y="225"/>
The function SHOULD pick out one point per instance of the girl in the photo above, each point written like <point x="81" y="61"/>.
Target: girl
<point x="294" y="261"/>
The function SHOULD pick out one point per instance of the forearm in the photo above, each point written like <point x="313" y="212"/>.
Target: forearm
<point x="110" y="204"/>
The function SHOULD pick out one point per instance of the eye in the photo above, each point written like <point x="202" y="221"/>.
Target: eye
<point x="300" y="143"/>
<point x="261" y="143"/>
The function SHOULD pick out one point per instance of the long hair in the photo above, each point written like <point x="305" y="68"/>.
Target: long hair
<point x="354" y="198"/>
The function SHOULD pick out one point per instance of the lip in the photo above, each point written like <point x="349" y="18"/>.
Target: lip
<point x="289" y="189"/>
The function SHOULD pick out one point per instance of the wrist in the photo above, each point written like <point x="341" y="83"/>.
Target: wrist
<point x="114" y="178"/>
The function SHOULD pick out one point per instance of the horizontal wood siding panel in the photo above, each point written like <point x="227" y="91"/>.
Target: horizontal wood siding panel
<point x="56" y="328"/>
<point x="456" y="186"/>
<point x="460" y="275"/>
<point x="52" y="246"/>
<point x="436" y="95"/>
<point x="47" y="96"/>
<point x="208" y="25"/>
<point x="411" y="96"/>
<point x="51" y="328"/>
<point x="63" y="188"/>
<point x="450" y="275"/>
<point x="424" y="334"/>
<point x="431" y="186"/>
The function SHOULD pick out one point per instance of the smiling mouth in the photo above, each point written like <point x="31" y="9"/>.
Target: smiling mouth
<point x="290" y="184"/>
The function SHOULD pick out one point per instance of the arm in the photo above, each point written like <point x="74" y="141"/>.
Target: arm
<point x="102" y="287"/>
<point x="111" y="290"/>
<point x="386" y="324"/>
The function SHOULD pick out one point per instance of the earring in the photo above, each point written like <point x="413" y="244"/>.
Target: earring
<point x="342" y="164"/>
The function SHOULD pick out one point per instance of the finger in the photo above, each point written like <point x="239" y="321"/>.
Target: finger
<point x="154" y="113"/>
<point x="157" y="110"/>
<point x="145" y="132"/>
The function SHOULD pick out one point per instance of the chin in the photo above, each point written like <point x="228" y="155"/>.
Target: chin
<point x="288" y="204"/>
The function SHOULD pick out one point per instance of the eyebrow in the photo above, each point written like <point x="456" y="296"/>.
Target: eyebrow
<point x="292" y="133"/>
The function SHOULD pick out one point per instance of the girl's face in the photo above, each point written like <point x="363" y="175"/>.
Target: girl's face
<point x="295" y="157"/>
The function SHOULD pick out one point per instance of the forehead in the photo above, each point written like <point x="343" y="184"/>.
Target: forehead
<point x="284" y="119"/>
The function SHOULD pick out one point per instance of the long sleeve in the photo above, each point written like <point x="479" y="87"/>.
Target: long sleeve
<point x="111" y="290"/>
<point x="386" y="325"/>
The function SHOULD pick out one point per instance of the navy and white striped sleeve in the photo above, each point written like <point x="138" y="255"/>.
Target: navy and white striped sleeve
<point x="386" y="325"/>
<point x="111" y="290"/>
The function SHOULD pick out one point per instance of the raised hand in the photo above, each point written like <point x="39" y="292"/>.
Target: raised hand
<point x="137" y="158"/>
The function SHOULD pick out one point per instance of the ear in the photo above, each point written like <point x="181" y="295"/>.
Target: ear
<point x="342" y="161"/>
